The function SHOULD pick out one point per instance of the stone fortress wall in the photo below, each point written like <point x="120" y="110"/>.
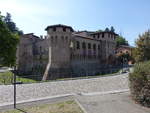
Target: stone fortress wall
<point x="65" y="53"/>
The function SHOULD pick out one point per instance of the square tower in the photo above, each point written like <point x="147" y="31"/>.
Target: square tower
<point x="59" y="51"/>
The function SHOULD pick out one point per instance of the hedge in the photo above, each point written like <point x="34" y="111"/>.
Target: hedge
<point x="140" y="83"/>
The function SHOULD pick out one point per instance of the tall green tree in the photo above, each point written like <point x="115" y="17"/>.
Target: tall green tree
<point x="99" y="30"/>
<point x="121" y="41"/>
<point x="124" y="58"/>
<point x="11" y="25"/>
<point x="107" y="29"/>
<point x="112" y="29"/>
<point x="142" y="50"/>
<point x="8" y="44"/>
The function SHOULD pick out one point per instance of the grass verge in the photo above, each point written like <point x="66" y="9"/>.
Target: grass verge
<point x="62" y="107"/>
<point x="6" y="78"/>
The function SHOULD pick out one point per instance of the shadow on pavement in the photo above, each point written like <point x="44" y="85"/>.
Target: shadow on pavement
<point x="21" y="110"/>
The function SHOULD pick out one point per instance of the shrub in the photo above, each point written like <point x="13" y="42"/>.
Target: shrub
<point x="140" y="83"/>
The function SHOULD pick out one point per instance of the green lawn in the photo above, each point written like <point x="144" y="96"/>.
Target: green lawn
<point x="62" y="107"/>
<point x="88" y="77"/>
<point x="7" y="78"/>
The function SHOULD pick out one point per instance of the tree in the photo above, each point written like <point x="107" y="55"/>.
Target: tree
<point x="8" y="44"/>
<point x="121" y="41"/>
<point x="112" y="29"/>
<point x="99" y="30"/>
<point x="124" y="57"/>
<point x="11" y="25"/>
<point x="142" y="50"/>
<point x="107" y="29"/>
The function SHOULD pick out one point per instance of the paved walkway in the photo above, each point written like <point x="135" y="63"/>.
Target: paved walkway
<point x="39" y="90"/>
<point x="111" y="103"/>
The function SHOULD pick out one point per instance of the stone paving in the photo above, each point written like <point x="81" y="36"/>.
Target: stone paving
<point x="39" y="90"/>
<point x="111" y="103"/>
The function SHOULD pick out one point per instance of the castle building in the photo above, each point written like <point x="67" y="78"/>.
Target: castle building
<point x="65" y="52"/>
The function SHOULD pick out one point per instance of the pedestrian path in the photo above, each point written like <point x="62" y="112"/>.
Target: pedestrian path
<point x="82" y="86"/>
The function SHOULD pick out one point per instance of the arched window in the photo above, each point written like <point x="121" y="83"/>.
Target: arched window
<point x="83" y="45"/>
<point x="56" y="39"/>
<point x="99" y="51"/>
<point x="66" y="38"/>
<point x="102" y="35"/>
<point x="62" y="38"/>
<point x="89" y="46"/>
<point x="78" y="45"/>
<point x="94" y="47"/>
<point x="40" y="49"/>
<point x="98" y="47"/>
<point x="98" y="36"/>
<point x="64" y="29"/>
<point x="93" y="36"/>
<point x="54" y="29"/>
<point x="52" y="39"/>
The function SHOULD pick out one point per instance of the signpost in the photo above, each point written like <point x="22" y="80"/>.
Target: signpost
<point x="14" y="87"/>
<point x="15" y="82"/>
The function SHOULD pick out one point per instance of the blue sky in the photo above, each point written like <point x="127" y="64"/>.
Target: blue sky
<point x="129" y="17"/>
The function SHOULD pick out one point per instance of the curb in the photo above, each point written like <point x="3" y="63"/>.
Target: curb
<point x="106" y="92"/>
<point x="82" y="108"/>
<point x="38" y="99"/>
<point x="65" y="95"/>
